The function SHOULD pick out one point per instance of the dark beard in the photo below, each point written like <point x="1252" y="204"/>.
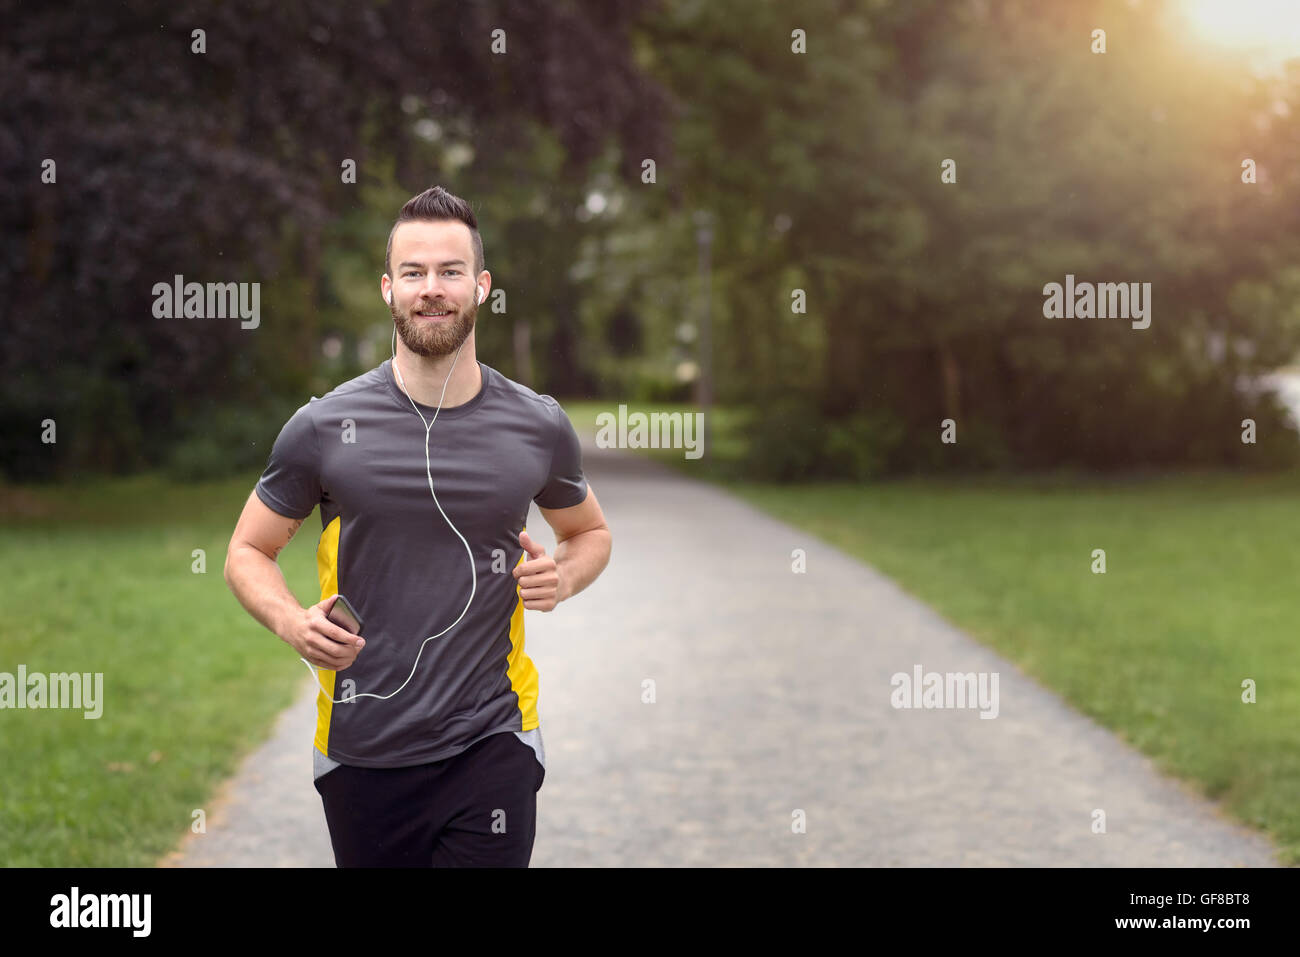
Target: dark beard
<point x="434" y="339"/>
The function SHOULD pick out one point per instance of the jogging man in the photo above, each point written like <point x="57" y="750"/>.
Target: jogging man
<point x="428" y="748"/>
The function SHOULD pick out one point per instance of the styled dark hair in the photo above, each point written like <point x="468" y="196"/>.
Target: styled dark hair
<point x="435" y="203"/>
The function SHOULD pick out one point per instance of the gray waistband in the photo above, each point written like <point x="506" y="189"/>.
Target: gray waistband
<point x="324" y="765"/>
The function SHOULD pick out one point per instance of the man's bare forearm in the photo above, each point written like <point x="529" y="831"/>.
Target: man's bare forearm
<point x="260" y="587"/>
<point x="581" y="558"/>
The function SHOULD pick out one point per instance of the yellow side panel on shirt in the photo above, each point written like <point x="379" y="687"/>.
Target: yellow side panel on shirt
<point x="520" y="670"/>
<point x="327" y="569"/>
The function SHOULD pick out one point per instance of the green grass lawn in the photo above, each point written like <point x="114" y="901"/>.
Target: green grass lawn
<point x="99" y="579"/>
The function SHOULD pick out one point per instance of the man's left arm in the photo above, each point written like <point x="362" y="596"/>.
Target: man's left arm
<point x="583" y="545"/>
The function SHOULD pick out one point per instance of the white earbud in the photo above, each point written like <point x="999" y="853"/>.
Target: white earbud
<point x="481" y="296"/>
<point x="389" y="297"/>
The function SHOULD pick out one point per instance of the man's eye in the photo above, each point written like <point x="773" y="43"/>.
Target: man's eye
<point x="452" y="271"/>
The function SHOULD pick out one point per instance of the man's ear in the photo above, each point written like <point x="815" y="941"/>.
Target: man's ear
<point x="388" y="296"/>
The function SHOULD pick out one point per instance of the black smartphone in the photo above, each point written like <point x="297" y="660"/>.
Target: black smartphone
<point x="345" y="616"/>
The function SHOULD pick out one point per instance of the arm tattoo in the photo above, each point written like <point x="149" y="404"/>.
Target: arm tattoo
<point x="288" y="538"/>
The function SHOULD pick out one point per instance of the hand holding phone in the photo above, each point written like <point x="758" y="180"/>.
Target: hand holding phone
<point x="328" y="639"/>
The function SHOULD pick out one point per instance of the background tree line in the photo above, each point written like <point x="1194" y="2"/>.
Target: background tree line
<point x="821" y="170"/>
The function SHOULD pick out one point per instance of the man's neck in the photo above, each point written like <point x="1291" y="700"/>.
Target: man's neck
<point x="423" y="376"/>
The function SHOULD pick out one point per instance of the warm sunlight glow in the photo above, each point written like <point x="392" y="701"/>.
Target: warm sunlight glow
<point x="1270" y="28"/>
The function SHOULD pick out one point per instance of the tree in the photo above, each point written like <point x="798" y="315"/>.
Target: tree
<point x="216" y="155"/>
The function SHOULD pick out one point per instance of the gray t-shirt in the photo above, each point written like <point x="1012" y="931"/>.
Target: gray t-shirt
<point x="358" y="453"/>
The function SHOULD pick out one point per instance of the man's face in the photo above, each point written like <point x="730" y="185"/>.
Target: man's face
<point x="433" y="271"/>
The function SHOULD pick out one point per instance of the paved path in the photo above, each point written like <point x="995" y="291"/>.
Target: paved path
<point x="772" y="694"/>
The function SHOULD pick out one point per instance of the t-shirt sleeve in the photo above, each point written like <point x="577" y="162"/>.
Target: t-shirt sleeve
<point x="566" y="486"/>
<point x="290" y="485"/>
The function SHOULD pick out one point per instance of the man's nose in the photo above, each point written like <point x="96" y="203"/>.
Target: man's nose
<point x="432" y="289"/>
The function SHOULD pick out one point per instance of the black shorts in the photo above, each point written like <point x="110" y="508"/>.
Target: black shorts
<point x="474" y="809"/>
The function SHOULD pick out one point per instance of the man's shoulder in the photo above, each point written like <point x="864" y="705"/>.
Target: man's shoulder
<point x="369" y="381"/>
<point x="521" y="395"/>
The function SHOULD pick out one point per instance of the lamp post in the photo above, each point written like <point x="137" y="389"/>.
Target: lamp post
<point x="704" y="382"/>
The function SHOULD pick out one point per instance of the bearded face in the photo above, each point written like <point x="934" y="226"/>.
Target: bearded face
<point x="433" y="290"/>
<point x="436" y="326"/>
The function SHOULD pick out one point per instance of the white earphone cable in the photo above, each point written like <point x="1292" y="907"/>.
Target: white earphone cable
<point x="428" y="468"/>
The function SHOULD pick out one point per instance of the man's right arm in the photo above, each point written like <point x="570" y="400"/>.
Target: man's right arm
<point x="254" y="576"/>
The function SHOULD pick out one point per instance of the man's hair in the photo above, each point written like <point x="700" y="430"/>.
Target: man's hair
<point x="435" y="203"/>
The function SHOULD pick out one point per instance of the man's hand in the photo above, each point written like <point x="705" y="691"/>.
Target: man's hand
<point x="320" y="641"/>
<point x="539" y="578"/>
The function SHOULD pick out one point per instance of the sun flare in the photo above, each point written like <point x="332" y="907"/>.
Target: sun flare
<point x="1267" y="27"/>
